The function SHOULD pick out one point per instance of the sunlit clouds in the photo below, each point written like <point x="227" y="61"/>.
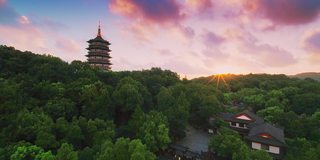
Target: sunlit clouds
<point x="191" y="37"/>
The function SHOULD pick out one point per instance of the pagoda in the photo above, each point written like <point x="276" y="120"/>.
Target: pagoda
<point x="99" y="52"/>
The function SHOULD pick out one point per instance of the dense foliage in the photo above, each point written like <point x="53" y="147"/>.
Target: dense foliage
<point x="50" y="109"/>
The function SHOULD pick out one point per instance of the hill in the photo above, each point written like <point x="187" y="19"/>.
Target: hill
<point x="313" y="75"/>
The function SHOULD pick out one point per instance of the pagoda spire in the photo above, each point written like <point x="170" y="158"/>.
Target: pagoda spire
<point x="99" y="31"/>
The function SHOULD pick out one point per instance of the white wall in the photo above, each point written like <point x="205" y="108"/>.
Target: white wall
<point x="256" y="145"/>
<point x="274" y="149"/>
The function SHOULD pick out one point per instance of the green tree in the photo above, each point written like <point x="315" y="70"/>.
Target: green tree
<point x="154" y="131"/>
<point x="242" y="154"/>
<point x="31" y="153"/>
<point x="60" y="107"/>
<point x="97" y="101"/>
<point x="178" y="116"/>
<point x="66" y="152"/>
<point x="210" y="107"/>
<point x="46" y="140"/>
<point x="127" y="94"/>
<point x="86" y="154"/>
<point x="260" y="155"/>
<point x="31" y="123"/>
<point x="124" y="149"/>
<point x="271" y="114"/>
<point x="164" y="99"/>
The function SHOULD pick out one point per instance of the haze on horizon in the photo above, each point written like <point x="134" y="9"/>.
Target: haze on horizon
<point x="190" y="37"/>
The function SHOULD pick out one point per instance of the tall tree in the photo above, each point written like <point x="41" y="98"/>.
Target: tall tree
<point x="66" y="152"/>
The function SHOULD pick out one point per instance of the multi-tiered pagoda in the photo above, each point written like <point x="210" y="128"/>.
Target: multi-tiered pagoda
<point x="99" y="52"/>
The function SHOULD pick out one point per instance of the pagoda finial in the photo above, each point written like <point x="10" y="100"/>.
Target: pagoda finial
<point x="99" y="30"/>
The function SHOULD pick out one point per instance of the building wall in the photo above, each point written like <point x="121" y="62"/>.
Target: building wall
<point x="256" y="145"/>
<point x="272" y="149"/>
<point x="237" y="125"/>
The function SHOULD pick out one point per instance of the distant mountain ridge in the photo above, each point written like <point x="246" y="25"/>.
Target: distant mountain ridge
<point x="313" y="75"/>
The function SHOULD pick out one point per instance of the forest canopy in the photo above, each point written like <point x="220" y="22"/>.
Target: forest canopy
<point x="53" y="110"/>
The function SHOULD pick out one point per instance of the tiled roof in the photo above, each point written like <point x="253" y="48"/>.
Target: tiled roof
<point x="275" y="132"/>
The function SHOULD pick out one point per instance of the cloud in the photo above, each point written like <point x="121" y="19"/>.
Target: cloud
<point x="267" y="55"/>
<point x="212" y="50"/>
<point x="183" y="33"/>
<point x="34" y="34"/>
<point x="147" y="18"/>
<point x="210" y="39"/>
<point x="184" y="67"/>
<point x="67" y="45"/>
<point x="311" y="42"/>
<point x="200" y="5"/>
<point x="139" y="31"/>
<point x="24" y="37"/>
<point x="284" y="12"/>
<point x="204" y="8"/>
<point x="149" y="11"/>
<point x="165" y="52"/>
<point x="23" y="20"/>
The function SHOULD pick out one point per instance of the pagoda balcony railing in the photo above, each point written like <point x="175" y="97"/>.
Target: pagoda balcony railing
<point x="98" y="61"/>
<point x="98" y="51"/>
<point x="98" y="56"/>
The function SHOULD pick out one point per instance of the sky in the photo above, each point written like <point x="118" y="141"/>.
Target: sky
<point x="191" y="37"/>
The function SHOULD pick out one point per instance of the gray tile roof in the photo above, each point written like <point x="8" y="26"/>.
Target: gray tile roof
<point x="276" y="133"/>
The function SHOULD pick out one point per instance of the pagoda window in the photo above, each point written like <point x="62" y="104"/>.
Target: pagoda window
<point x="233" y="124"/>
<point x="241" y="125"/>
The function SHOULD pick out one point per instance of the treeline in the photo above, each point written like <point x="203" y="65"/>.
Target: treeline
<point x="51" y="109"/>
<point x="54" y="110"/>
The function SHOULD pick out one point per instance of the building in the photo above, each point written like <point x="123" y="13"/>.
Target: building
<point x="242" y="121"/>
<point x="258" y="134"/>
<point x="99" y="52"/>
<point x="267" y="137"/>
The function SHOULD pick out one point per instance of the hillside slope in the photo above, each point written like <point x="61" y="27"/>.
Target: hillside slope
<point x="313" y="75"/>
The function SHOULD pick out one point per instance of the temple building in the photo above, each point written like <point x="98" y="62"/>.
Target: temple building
<point x="257" y="133"/>
<point x="99" y="52"/>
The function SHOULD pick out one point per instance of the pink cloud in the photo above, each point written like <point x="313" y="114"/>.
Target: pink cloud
<point x="183" y="33"/>
<point x="23" y="20"/>
<point x="212" y="39"/>
<point x="268" y="55"/>
<point x="285" y="12"/>
<point x="150" y="11"/>
<point x="24" y="37"/>
<point x="311" y="42"/>
<point x="148" y="17"/>
<point x="67" y="45"/>
<point x="204" y="8"/>
<point x="165" y="52"/>
<point x="214" y="53"/>
<point x="183" y="67"/>
<point x="200" y="4"/>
